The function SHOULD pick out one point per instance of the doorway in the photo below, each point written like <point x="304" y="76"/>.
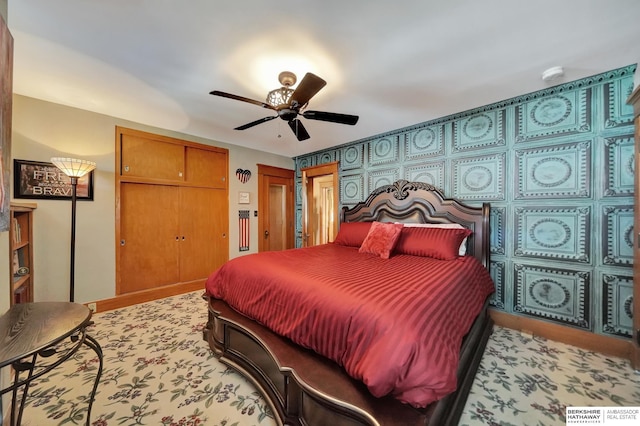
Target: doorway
<point x="275" y="208"/>
<point x="319" y="204"/>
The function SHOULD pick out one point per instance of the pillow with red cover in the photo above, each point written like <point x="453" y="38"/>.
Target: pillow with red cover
<point x="352" y="234"/>
<point x="381" y="239"/>
<point x="463" y="246"/>
<point x="438" y="243"/>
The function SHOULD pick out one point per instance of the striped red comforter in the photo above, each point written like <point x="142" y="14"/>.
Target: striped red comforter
<point x="395" y="324"/>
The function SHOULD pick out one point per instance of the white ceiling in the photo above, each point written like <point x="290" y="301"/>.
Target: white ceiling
<point x="394" y="64"/>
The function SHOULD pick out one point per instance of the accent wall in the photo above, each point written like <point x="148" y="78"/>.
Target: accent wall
<point x="557" y="167"/>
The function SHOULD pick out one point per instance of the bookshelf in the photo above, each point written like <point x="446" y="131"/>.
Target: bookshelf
<point x="21" y="252"/>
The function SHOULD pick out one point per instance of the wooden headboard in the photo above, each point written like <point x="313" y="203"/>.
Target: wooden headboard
<point x="419" y="202"/>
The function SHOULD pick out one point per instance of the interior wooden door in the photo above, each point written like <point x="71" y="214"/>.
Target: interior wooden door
<point x="276" y="239"/>
<point x="319" y="204"/>
<point x="275" y="207"/>
<point x="321" y="210"/>
<point x="149" y="237"/>
<point x="203" y="232"/>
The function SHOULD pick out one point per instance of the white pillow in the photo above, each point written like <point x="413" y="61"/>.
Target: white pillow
<point x="463" y="246"/>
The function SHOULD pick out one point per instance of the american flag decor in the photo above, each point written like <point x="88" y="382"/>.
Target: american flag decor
<point x="243" y="175"/>
<point x="243" y="221"/>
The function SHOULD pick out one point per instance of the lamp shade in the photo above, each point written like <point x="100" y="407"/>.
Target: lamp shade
<point x="73" y="167"/>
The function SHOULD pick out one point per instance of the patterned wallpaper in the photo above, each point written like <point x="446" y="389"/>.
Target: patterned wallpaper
<point x="557" y="167"/>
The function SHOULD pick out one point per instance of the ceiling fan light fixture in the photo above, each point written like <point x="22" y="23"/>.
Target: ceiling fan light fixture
<point x="287" y="78"/>
<point x="282" y="96"/>
<point x="288" y="104"/>
<point x="279" y="97"/>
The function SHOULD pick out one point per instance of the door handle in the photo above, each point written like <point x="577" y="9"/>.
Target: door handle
<point x="266" y="233"/>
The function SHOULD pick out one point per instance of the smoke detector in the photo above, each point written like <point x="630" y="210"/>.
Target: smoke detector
<point x="552" y="74"/>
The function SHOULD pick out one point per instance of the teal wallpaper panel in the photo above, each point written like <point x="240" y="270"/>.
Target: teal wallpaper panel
<point x="483" y="130"/>
<point x="557" y="171"/>
<point x="431" y="173"/>
<point x="421" y="144"/>
<point x="557" y="167"/>
<point x="616" y="111"/>
<point x="617" y="235"/>
<point x="559" y="294"/>
<point x="479" y="177"/>
<point x="568" y="113"/>
<point x="617" y="300"/>
<point x="619" y="166"/>
<point x="553" y="233"/>
<point x="352" y="157"/>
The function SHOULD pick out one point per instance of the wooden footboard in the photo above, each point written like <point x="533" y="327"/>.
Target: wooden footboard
<point x="304" y="388"/>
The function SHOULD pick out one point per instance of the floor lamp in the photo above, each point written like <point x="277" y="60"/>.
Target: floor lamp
<point x="75" y="169"/>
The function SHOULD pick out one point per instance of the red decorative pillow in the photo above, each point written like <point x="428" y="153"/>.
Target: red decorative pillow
<point x="463" y="246"/>
<point x="381" y="239"/>
<point x="352" y="234"/>
<point x="439" y="243"/>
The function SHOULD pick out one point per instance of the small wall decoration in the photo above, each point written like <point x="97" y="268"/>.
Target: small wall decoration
<point x="243" y="175"/>
<point x="244" y="198"/>
<point x="42" y="180"/>
<point x="243" y="223"/>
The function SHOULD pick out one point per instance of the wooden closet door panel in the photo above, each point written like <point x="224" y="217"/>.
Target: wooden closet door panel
<point x="148" y="158"/>
<point x="206" y="168"/>
<point x="220" y="213"/>
<point x="149" y="228"/>
<point x="204" y="224"/>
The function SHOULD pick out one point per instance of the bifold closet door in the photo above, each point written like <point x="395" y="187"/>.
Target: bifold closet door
<point x="203" y="225"/>
<point x="150" y="237"/>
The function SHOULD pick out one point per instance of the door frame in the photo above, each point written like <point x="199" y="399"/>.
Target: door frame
<point x="311" y="173"/>
<point x="266" y="172"/>
<point x="634" y="348"/>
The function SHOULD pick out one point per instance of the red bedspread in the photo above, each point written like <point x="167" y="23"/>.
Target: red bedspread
<point x="395" y="324"/>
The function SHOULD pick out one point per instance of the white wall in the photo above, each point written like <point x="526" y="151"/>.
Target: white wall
<point x="42" y="130"/>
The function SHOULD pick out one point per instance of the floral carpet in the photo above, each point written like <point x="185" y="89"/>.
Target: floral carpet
<point x="159" y="371"/>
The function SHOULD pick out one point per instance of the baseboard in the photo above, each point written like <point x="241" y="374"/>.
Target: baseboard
<point x="124" y="300"/>
<point x="583" y="339"/>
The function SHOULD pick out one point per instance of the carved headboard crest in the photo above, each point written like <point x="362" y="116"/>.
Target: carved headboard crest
<point x="401" y="188"/>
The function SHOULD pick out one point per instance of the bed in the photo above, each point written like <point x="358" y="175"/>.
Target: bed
<point x="349" y="374"/>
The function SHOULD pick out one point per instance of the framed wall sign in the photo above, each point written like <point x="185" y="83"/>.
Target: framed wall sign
<point x="243" y="198"/>
<point x="42" y="180"/>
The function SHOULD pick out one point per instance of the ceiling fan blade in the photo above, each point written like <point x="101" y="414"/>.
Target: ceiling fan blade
<point x="331" y="116"/>
<point x="255" y="123"/>
<point x="241" y="98"/>
<point x="308" y="87"/>
<point x="299" y="130"/>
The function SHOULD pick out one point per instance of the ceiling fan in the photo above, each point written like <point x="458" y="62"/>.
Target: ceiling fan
<point x="289" y="103"/>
